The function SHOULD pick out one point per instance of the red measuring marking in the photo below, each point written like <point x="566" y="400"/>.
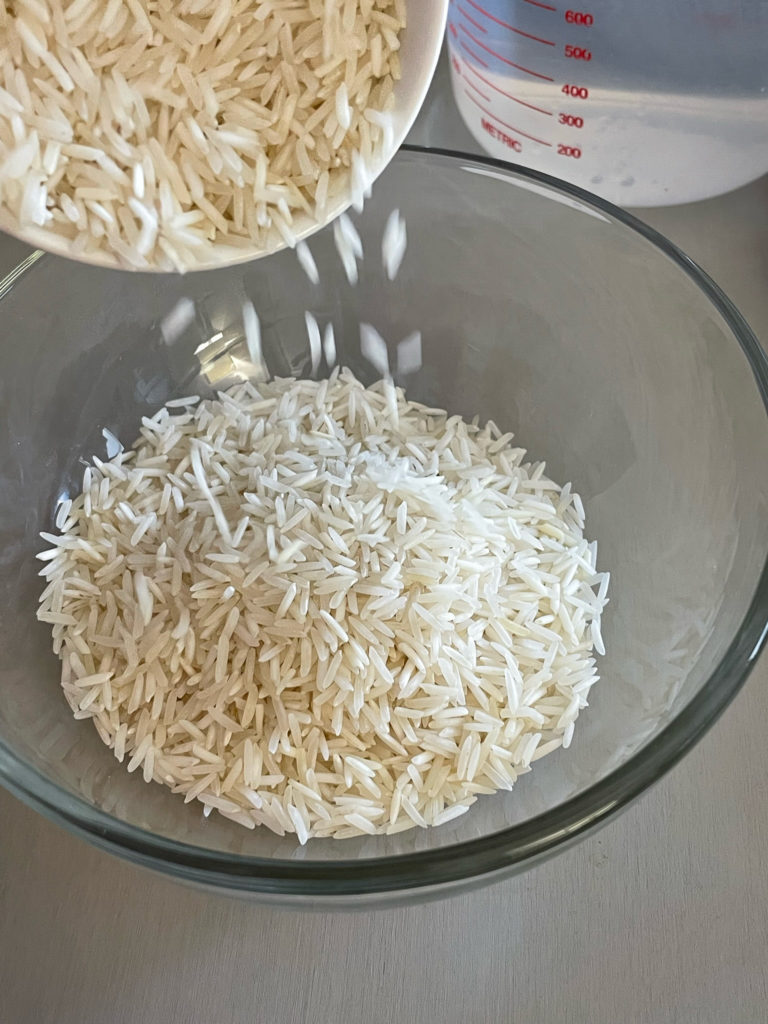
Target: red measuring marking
<point x="471" y="86"/>
<point x="474" y="56"/>
<point x="510" y="126"/>
<point x="537" y="3"/>
<point x="504" y="24"/>
<point x="471" y="20"/>
<point x="509" y="95"/>
<point x="527" y="71"/>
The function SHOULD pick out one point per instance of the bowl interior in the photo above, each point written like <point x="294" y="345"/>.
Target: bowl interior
<point x="419" y="52"/>
<point x="537" y="309"/>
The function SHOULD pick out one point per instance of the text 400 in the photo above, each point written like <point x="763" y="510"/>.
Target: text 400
<point x="576" y="92"/>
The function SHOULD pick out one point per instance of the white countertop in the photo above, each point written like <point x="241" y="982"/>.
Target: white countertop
<point x="661" y="918"/>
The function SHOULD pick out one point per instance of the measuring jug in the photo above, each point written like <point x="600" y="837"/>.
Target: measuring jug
<point x="645" y="102"/>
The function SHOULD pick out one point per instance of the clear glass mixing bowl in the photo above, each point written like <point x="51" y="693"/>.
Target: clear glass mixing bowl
<point x="608" y="353"/>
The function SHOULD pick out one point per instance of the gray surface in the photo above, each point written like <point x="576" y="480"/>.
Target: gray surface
<point x="662" y="917"/>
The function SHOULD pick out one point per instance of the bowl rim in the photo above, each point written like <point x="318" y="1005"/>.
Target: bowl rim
<point x="499" y="853"/>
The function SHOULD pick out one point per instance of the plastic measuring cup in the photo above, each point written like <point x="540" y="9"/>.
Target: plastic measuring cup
<point x="643" y="103"/>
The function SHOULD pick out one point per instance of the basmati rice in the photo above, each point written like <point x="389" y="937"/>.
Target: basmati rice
<point x="307" y="261"/>
<point x="315" y="342"/>
<point x="235" y="118"/>
<point x="348" y="246"/>
<point x="374" y="349"/>
<point x="409" y="354"/>
<point x="329" y="346"/>
<point x="252" y="330"/>
<point x="393" y="244"/>
<point x="385" y="653"/>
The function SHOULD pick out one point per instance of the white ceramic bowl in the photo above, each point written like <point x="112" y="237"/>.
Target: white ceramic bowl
<point x="419" y="52"/>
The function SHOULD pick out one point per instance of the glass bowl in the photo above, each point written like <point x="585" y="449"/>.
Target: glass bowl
<point x="604" y="349"/>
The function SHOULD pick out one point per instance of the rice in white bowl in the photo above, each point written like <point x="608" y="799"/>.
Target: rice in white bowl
<point x="324" y="608"/>
<point x="162" y="135"/>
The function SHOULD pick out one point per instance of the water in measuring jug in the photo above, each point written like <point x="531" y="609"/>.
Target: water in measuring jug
<point x="645" y="102"/>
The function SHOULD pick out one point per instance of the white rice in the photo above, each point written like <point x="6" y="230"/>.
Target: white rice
<point x="393" y="244"/>
<point x="348" y="246"/>
<point x="315" y="341"/>
<point x="329" y="346"/>
<point x="307" y="262"/>
<point x="174" y="323"/>
<point x="349" y="235"/>
<point x="409" y="354"/>
<point x="113" y="444"/>
<point x="162" y="135"/>
<point x="354" y="633"/>
<point x="252" y="330"/>
<point x="374" y="349"/>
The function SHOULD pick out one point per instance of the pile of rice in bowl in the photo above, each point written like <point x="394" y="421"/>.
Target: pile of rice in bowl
<point x="154" y="134"/>
<point x="324" y="608"/>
